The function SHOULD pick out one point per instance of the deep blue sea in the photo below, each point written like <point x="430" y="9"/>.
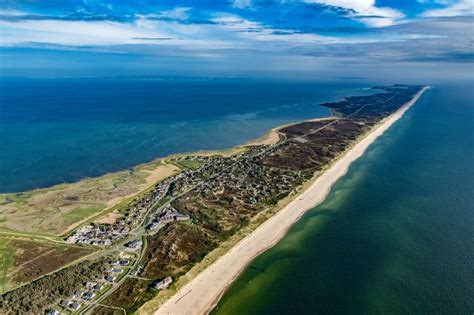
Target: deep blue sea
<point x="394" y="236"/>
<point x="62" y="130"/>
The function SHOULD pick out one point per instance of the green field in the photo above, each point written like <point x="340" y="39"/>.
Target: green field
<point x="6" y="262"/>
<point x="188" y="164"/>
<point x="58" y="209"/>
<point x="23" y="260"/>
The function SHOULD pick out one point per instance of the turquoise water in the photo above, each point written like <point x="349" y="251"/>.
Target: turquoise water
<point x="62" y="130"/>
<point x="395" y="235"/>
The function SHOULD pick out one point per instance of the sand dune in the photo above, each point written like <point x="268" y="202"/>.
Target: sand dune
<point x="201" y="293"/>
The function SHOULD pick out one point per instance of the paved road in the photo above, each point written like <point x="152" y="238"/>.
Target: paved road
<point x="141" y="226"/>
<point x="140" y="231"/>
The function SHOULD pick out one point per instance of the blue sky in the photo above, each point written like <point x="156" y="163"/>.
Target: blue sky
<point x="232" y="38"/>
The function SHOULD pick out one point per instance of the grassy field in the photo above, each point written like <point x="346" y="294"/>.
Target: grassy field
<point x="6" y="262"/>
<point x="188" y="164"/>
<point x="24" y="260"/>
<point x="58" y="209"/>
<point x="33" y="223"/>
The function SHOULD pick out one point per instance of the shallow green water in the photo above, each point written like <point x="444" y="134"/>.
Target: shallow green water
<point x="395" y="235"/>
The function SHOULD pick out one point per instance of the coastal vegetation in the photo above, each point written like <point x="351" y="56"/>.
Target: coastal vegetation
<point x="172" y="225"/>
<point x="36" y="296"/>
<point x="58" y="209"/>
<point x="24" y="260"/>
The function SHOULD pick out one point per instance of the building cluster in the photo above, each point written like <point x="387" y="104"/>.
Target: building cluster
<point x="88" y="291"/>
<point x="243" y="173"/>
<point x="102" y="236"/>
<point x="105" y="234"/>
<point x="251" y="182"/>
<point x="214" y="170"/>
<point x="134" y="244"/>
<point x="167" y="215"/>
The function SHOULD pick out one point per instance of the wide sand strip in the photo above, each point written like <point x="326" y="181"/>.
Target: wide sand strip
<point x="203" y="292"/>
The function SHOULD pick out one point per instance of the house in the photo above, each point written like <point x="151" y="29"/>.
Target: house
<point x="152" y="225"/>
<point x="51" y="312"/>
<point x="164" y="283"/>
<point x="109" y="279"/>
<point x="138" y="271"/>
<point x="121" y="262"/>
<point x="135" y="244"/>
<point x="90" y="284"/>
<point x="74" y="305"/>
<point x="77" y="294"/>
<point x="88" y="295"/>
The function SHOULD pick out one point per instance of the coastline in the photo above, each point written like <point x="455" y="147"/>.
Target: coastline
<point x="202" y="293"/>
<point x="116" y="188"/>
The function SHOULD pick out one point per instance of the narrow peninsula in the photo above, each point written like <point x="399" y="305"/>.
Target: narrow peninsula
<point x="174" y="247"/>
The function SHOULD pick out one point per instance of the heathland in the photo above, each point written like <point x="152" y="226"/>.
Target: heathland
<point x="394" y="236"/>
<point x="201" y="206"/>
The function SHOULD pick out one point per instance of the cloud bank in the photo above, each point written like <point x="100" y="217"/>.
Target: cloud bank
<point x="241" y="36"/>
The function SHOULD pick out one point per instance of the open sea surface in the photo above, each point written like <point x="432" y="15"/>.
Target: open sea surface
<point x="62" y="130"/>
<point x="394" y="236"/>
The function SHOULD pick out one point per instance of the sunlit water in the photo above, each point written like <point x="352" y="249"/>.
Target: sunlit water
<point x="55" y="130"/>
<point x="395" y="235"/>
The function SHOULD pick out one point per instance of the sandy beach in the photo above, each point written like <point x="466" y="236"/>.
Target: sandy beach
<point x="203" y="292"/>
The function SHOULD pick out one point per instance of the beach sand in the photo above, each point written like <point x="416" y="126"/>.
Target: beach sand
<point x="203" y="292"/>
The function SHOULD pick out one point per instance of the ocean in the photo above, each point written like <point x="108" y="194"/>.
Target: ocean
<point x="63" y="130"/>
<point x="394" y="236"/>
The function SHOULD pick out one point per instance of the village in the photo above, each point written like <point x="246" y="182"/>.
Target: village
<point x="167" y="229"/>
<point x="86" y="292"/>
<point x="251" y="181"/>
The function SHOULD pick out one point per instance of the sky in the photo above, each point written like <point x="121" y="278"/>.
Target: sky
<point x="299" y="39"/>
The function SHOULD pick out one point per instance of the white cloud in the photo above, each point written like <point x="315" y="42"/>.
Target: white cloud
<point x="11" y="12"/>
<point x="357" y="5"/>
<point x="72" y="32"/>
<point x="227" y="32"/>
<point x="180" y="13"/>
<point x="241" y="4"/>
<point x="462" y="8"/>
<point x="366" y="11"/>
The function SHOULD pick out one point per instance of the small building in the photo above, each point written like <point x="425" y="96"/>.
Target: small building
<point x="88" y="295"/>
<point x="182" y="217"/>
<point x="152" y="226"/>
<point x="164" y="283"/>
<point x="74" y="305"/>
<point x="135" y="244"/>
<point x="138" y="271"/>
<point x="97" y="287"/>
<point x="90" y="284"/>
<point x="109" y="279"/>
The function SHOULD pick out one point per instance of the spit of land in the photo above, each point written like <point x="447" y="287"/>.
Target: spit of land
<point x="172" y="234"/>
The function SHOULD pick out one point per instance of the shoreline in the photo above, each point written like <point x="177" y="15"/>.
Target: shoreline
<point x="151" y="173"/>
<point x="203" y="292"/>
